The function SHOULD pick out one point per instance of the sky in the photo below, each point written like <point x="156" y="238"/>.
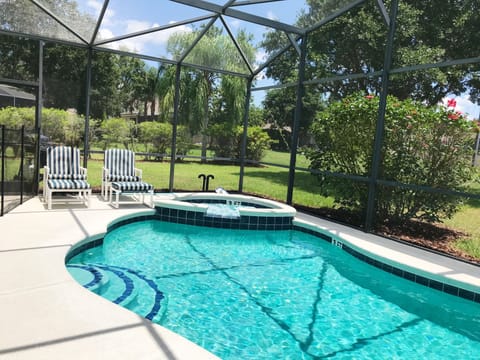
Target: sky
<point x="123" y="18"/>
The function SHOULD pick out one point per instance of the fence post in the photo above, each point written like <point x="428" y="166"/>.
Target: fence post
<point x="2" y="188"/>
<point x="22" y="162"/>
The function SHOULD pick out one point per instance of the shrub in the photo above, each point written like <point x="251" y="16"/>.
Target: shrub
<point x="184" y="140"/>
<point x="429" y="146"/>
<point x="15" y="118"/>
<point x="227" y="141"/>
<point x="156" y="136"/>
<point x="59" y="126"/>
<point x="115" y="131"/>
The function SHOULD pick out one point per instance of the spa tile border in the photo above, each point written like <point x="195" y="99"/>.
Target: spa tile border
<point x="243" y="223"/>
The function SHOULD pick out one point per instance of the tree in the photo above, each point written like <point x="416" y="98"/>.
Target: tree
<point x="26" y="17"/>
<point x="18" y="58"/>
<point x="150" y="90"/>
<point x="354" y="43"/>
<point x="425" y="146"/>
<point x="203" y="84"/>
<point x="64" y="76"/>
<point x="131" y="83"/>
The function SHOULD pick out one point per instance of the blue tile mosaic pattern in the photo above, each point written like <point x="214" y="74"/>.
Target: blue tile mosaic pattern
<point x="244" y="222"/>
<point x="277" y="223"/>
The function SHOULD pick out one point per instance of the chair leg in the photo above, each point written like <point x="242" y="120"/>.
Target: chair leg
<point x="49" y="199"/>
<point x="115" y="203"/>
<point x="105" y="190"/>
<point x="150" y="193"/>
<point x="89" y="197"/>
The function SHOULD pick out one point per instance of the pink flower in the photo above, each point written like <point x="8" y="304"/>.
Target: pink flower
<point x="369" y="96"/>
<point x="451" y="103"/>
<point x="454" y="116"/>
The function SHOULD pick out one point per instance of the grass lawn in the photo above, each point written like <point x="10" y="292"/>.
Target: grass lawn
<point x="468" y="221"/>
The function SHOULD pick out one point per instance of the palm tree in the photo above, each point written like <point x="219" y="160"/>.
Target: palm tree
<point x="198" y="87"/>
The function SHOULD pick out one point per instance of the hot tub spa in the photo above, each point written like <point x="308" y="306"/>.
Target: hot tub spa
<point x="225" y="210"/>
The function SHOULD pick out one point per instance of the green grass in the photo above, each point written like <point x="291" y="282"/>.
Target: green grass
<point x="467" y="221"/>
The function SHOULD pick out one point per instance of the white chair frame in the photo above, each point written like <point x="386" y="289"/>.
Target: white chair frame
<point x="68" y="175"/>
<point x="107" y="173"/>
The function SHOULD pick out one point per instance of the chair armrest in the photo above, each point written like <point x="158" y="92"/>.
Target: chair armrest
<point x="138" y="172"/>
<point x="83" y="171"/>
<point x="105" y="173"/>
<point x="46" y="171"/>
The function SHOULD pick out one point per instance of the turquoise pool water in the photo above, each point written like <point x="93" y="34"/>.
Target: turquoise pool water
<point x="274" y="295"/>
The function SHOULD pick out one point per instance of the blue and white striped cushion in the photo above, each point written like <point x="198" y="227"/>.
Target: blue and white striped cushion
<point x="68" y="184"/>
<point x="129" y="186"/>
<point x="122" y="178"/>
<point x="121" y="165"/>
<point x="75" y="166"/>
<point x="58" y="162"/>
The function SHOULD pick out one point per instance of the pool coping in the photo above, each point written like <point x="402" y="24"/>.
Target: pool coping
<point x="49" y="315"/>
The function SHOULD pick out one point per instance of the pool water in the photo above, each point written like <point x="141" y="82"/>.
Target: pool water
<point x="275" y="295"/>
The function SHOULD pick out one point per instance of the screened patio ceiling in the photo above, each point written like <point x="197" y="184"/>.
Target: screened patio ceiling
<point x="142" y="27"/>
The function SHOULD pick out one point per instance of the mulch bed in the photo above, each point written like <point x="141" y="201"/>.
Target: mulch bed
<point x="436" y="237"/>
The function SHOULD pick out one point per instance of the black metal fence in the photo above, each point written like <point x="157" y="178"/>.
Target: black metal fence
<point x="17" y="167"/>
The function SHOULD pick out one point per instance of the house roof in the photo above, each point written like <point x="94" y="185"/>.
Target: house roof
<point x="13" y="92"/>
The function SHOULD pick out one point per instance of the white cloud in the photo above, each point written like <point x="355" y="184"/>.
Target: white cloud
<point x="260" y="56"/>
<point x="234" y="24"/>
<point x="153" y="43"/>
<point x="271" y="15"/>
<point x="97" y="5"/>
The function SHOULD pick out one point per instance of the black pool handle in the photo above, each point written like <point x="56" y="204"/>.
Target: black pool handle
<point x="209" y="176"/>
<point x="206" y="180"/>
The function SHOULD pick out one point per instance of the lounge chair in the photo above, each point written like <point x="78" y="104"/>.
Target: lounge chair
<point x="121" y="177"/>
<point x="63" y="174"/>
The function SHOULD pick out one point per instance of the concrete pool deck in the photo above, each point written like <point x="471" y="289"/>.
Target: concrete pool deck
<point x="46" y="314"/>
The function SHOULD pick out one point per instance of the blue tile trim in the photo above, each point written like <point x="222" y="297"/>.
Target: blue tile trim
<point x="129" y="221"/>
<point x="422" y="280"/>
<point x="243" y="223"/>
<point x="79" y="249"/>
<point x="126" y="280"/>
<point x="159" y="296"/>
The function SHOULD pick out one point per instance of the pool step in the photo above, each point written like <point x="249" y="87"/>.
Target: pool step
<point x="120" y="289"/>
<point x="109" y="283"/>
<point x="153" y="303"/>
<point x="121" y="286"/>
<point x="89" y="277"/>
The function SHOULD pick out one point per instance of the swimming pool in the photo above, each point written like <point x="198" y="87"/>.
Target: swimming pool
<point x="269" y="295"/>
